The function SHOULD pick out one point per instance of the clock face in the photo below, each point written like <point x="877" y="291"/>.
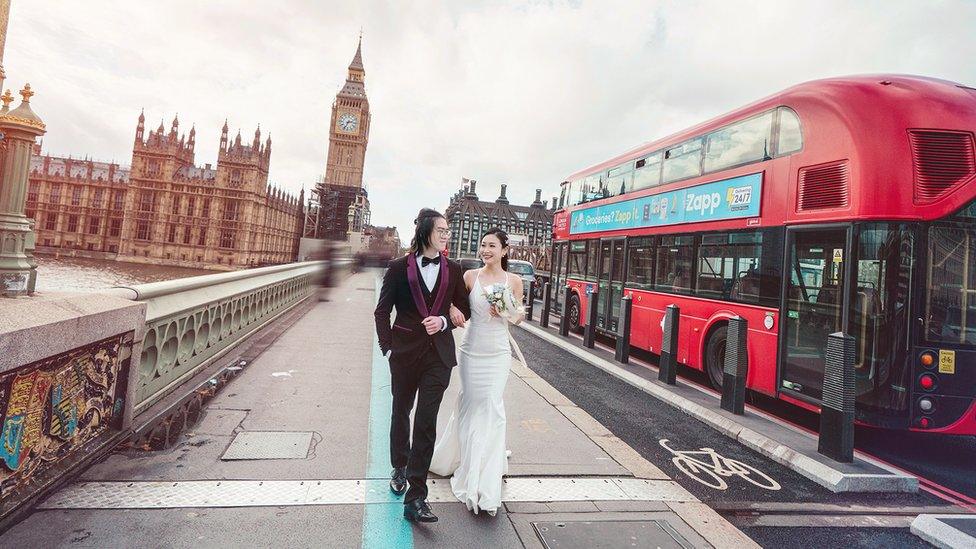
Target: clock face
<point x="348" y="122"/>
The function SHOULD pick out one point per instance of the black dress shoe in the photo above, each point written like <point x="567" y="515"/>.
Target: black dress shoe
<point x="398" y="481"/>
<point x="418" y="511"/>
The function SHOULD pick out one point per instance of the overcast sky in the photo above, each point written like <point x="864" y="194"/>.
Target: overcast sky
<point x="502" y="92"/>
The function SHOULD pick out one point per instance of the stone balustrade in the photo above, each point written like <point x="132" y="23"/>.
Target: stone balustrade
<point x="193" y="321"/>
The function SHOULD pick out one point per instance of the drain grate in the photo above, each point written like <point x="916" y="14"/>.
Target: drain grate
<point x="269" y="445"/>
<point x="619" y="533"/>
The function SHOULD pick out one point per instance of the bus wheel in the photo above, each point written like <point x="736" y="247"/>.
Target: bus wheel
<point x="574" y="313"/>
<point x="715" y="355"/>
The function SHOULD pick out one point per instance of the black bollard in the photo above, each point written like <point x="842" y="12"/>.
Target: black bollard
<point x="530" y="301"/>
<point x="668" y="366"/>
<point x="589" y="333"/>
<point x="622" y="353"/>
<point x="837" y="404"/>
<point x="736" y="366"/>
<point x="546" y="305"/>
<point x="564" y="319"/>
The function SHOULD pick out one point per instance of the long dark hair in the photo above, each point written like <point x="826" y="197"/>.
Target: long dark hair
<point x="424" y="228"/>
<point x="503" y="238"/>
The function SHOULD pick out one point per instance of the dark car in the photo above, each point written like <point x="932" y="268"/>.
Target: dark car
<point x="469" y="263"/>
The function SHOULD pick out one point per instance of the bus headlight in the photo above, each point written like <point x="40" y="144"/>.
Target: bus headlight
<point x="926" y="405"/>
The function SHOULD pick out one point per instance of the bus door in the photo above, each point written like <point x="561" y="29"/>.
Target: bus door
<point x="610" y="282"/>
<point x="557" y="275"/>
<point x="815" y="305"/>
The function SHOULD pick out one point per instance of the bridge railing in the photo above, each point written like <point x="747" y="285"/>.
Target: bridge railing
<point x="191" y="322"/>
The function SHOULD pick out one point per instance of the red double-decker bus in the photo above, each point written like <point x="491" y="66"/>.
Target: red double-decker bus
<point x="839" y="205"/>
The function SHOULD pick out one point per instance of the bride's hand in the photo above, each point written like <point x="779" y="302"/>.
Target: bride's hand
<point x="493" y="311"/>
<point x="457" y="317"/>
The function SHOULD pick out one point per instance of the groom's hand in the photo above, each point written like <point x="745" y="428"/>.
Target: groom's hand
<point x="433" y="324"/>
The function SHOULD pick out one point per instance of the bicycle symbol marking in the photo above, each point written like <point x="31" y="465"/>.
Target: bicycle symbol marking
<point x="711" y="469"/>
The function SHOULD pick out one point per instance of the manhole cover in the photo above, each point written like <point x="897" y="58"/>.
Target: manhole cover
<point x="269" y="445"/>
<point x="594" y="534"/>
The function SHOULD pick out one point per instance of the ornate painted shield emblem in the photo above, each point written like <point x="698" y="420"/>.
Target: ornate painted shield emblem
<point x="66" y="403"/>
<point x="23" y="417"/>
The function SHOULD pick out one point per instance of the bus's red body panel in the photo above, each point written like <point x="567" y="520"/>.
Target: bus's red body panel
<point x="855" y="118"/>
<point x="863" y="120"/>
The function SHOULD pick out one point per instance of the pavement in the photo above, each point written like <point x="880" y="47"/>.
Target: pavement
<point x="307" y="423"/>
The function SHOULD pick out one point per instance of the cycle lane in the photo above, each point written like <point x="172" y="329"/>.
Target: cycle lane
<point x="643" y="422"/>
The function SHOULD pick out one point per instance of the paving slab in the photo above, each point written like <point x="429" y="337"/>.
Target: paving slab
<point x="298" y="527"/>
<point x="946" y="531"/>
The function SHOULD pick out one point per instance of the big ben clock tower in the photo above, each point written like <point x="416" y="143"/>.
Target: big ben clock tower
<point x="349" y="130"/>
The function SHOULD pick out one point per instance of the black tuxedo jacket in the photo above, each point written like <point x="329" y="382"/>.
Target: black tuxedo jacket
<point x="408" y="338"/>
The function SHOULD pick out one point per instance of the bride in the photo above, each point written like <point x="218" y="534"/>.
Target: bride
<point x="472" y="447"/>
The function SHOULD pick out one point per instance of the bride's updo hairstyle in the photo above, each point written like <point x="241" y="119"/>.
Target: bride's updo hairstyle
<point x="502" y="237"/>
<point x="424" y="228"/>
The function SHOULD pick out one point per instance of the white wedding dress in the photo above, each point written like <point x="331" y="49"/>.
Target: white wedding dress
<point x="472" y="446"/>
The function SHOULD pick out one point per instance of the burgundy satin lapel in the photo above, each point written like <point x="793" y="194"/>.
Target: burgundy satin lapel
<point x="442" y="287"/>
<point x="414" y="283"/>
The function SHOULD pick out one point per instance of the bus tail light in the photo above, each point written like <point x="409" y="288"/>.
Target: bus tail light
<point x="926" y="381"/>
<point x="923" y="423"/>
<point x="927" y="359"/>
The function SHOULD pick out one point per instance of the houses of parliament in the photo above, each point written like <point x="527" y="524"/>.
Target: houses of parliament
<point x="164" y="209"/>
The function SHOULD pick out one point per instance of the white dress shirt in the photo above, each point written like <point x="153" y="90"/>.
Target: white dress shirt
<point x="429" y="273"/>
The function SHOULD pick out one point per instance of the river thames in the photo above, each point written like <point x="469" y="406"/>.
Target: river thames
<point x="73" y="274"/>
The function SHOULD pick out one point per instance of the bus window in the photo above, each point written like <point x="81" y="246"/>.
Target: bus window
<point x="728" y="267"/>
<point x="577" y="259"/>
<point x="879" y="314"/>
<point x="647" y="172"/>
<point x="640" y="263"/>
<point x="593" y="257"/>
<point x="950" y="301"/>
<point x="575" y="193"/>
<point x="619" y="180"/>
<point x="739" y="143"/>
<point x="589" y="188"/>
<point x="683" y="161"/>
<point x="790" y="136"/>
<point x="675" y="260"/>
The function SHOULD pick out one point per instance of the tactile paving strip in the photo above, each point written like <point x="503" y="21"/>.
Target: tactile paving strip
<point x="269" y="445"/>
<point x="251" y="493"/>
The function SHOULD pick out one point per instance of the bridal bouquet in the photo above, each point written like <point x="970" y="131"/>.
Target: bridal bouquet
<point x="505" y="303"/>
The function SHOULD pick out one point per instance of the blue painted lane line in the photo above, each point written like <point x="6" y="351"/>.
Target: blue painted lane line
<point x="383" y="522"/>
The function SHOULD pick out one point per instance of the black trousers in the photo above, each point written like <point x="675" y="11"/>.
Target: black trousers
<point x="425" y="382"/>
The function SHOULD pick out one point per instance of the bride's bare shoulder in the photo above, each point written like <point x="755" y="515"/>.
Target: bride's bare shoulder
<point x="469" y="277"/>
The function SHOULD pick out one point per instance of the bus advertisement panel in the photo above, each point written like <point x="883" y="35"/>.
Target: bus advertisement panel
<point x="726" y="199"/>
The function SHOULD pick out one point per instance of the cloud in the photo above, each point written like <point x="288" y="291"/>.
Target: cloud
<point x="502" y="92"/>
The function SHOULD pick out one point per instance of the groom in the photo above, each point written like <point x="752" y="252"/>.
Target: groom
<point x="421" y="286"/>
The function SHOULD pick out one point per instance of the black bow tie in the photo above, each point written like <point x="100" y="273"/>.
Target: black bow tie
<point x="427" y="261"/>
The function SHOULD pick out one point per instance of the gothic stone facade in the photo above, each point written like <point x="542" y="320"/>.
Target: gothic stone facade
<point x="469" y="218"/>
<point x="165" y="210"/>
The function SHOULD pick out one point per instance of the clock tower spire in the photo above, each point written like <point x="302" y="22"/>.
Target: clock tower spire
<point x="349" y="128"/>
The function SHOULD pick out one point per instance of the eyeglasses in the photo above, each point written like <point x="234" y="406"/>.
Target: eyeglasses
<point x="443" y="232"/>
